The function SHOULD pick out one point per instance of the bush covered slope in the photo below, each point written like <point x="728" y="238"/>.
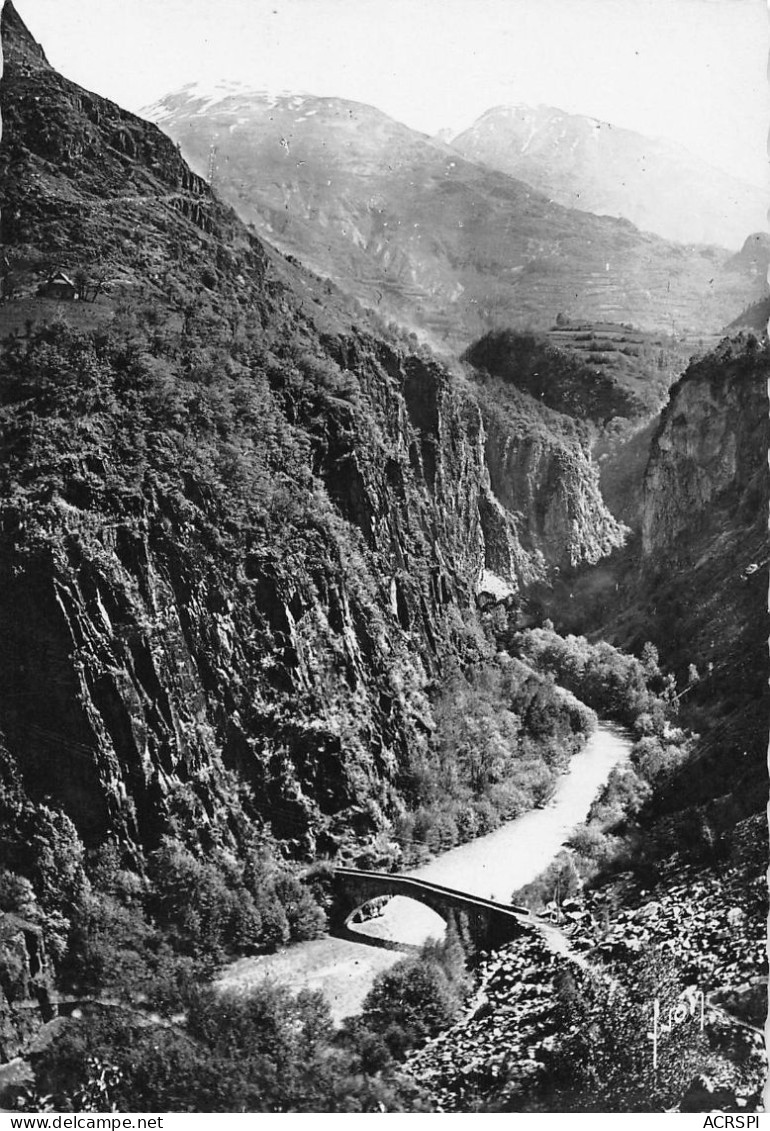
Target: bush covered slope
<point x="236" y="539"/>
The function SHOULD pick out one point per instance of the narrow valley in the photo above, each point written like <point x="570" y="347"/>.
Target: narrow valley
<point x="306" y="593"/>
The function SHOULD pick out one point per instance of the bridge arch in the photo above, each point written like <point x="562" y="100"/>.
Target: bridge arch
<point x="489" y="923"/>
<point x="412" y="927"/>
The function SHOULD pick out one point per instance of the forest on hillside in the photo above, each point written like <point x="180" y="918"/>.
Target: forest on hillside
<point x="285" y="593"/>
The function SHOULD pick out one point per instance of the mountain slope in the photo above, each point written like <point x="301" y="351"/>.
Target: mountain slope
<point x="242" y="545"/>
<point x="440" y="243"/>
<point x="240" y="538"/>
<point x="693" y="577"/>
<point x="704" y="563"/>
<point x="597" y="167"/>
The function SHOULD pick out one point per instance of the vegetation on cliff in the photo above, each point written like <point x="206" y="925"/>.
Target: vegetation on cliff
<point x="557" y="378"/>
<point x="240" y="547"/>
<point x="241" y="539"/>
<point x="270" y="1051"/>
<point x="250" y="555"/>
<point x="503" y="733"/>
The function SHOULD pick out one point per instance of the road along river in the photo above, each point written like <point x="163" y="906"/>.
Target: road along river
<point x="492" y="866"/>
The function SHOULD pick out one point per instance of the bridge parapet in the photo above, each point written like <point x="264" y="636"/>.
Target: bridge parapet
<point x="489" y="923"/>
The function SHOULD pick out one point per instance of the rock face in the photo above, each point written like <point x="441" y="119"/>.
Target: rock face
<point x="18" y="44"/>
<point x="692" y="577"/>
<point x="54" y="133"/>
<point x="138" y="658"/>
<point x="549" y="485"/>
<point x="702" y="584"/>
<point x="240" y="539"/>
<point x="708" y="453"/>
<point x="26" y="984"/>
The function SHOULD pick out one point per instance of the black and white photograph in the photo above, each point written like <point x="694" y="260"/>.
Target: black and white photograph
<point x="383" y="558"/>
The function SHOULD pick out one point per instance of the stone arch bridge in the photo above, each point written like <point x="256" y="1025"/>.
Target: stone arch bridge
<point x="489" y="924"/>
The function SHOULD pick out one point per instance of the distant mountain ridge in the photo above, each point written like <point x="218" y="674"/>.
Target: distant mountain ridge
<point x="597" y="167"/>
<point x="262" y="569"/>
<point x="443" y="245"/>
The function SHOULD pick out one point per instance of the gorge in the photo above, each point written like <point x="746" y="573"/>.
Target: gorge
<point x="282" y="590"/>
<point x="490" y="866"/>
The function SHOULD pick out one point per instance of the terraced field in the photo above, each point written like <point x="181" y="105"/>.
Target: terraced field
<point x="446" y="247"/>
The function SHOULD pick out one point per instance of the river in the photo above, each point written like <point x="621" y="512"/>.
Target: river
<point x="491" y="866"/>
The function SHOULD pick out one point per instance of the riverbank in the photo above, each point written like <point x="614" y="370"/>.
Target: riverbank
<point x="495" y="865"/>
<point x="492" y="866"/>
<point x="711" y="922"/>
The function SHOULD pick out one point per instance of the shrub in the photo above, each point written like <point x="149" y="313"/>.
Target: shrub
<point x="305" y="918"/>
<point x="603" y="1059"/>
<point x="587" y="841"/>
<point x="268" y="1051"/>
<point x="614" y="684"/>
<point x="17" y="894"/>
<point x="409" y="1003"/>
<point x="559" y="881"/>
<point x="623" y="796"/>
<point x="43" y="860"/>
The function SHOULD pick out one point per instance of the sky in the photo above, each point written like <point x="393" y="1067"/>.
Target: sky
<point x="691" y="71"/>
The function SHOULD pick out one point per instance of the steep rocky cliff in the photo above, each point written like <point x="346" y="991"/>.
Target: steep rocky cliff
<point x="541" y="473"/>
<point x="707" y="454"/>
<point x="692" y="576"/>
<point x="701" y="591"/>
<point x="243" y="542"/>
<point x="240" y="540"/>
<point x="26" y="983"/>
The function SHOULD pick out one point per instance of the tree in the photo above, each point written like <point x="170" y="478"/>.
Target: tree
<point x="80" y="279"/>
<point x="558" y="882"/>
<point x="409" y="1003"/>
<point x="268" y="1051"/>
<point x="650" y="659"/>
<point x="99" y="280"/>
